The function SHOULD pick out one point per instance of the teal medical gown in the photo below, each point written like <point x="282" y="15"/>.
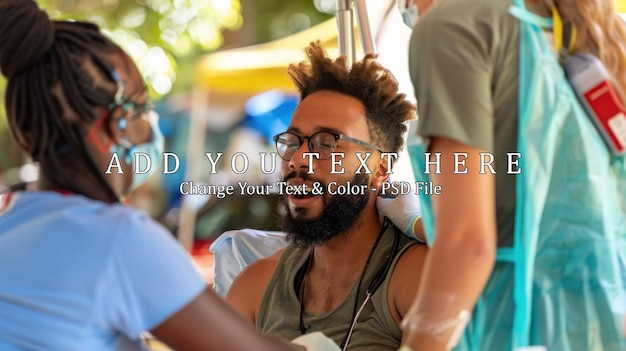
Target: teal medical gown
<point x="563" y="283"/>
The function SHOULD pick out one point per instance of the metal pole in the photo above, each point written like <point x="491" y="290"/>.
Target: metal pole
<point x="344" y="25"/>
<point x="363" y="22"/>
<point x="193" y="171"/>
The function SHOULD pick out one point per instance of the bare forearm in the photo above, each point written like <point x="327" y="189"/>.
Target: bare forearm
<point x="463" y="254"/>
<point x="455" y="274"/>
<point x="209" y="323"/>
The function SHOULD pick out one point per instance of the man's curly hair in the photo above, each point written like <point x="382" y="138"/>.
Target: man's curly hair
<point x="386" y="110"/>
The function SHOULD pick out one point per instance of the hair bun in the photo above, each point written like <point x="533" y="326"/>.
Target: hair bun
<point x="26" y="35"/>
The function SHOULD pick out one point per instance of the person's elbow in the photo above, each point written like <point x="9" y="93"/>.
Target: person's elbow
<point x="482" y="247"/>
<point x="473" y="243"/>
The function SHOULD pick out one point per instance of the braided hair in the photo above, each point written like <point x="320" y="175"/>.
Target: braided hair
<point x="50" y="97"/>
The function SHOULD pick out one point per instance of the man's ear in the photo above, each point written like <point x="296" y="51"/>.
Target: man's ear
<point x="380" y="173"/>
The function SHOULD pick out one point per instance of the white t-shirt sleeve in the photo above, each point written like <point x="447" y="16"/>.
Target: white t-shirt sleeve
<point x="150" y="277"/>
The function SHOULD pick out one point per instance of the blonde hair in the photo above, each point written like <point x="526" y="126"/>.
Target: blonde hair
<point x="601" y="32"/>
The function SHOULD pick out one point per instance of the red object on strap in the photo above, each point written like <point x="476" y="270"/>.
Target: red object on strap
<point x="5" y="200"/>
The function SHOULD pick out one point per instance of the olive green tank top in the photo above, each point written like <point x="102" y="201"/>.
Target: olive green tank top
<point x="279" y="313"/>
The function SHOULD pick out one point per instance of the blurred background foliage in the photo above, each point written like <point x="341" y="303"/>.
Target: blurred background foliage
<point x="166" y="37"/>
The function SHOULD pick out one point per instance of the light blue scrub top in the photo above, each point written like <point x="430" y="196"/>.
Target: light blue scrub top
<point x="78" y="274"/>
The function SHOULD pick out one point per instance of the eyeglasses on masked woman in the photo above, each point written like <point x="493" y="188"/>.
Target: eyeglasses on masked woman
<point x="132" y="111"/>
<point x="323" y="142"/>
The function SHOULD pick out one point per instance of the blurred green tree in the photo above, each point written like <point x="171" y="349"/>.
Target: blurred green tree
<point x="165" y="37"/>
<point x="275" y="19"/>
<point x="156" y="33"/>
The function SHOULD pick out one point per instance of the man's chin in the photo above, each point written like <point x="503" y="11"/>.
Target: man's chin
<point x="304" y="214"/>
<point x="309" y="209"/>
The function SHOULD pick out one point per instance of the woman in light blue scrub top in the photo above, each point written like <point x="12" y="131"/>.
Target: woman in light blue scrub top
<point x="79" y="270"/>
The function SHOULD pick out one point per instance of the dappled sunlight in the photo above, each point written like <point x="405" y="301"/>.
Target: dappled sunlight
<point x="157" y="33"/>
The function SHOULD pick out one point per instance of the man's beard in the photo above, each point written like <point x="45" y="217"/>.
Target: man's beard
<point x="339" y="214"/>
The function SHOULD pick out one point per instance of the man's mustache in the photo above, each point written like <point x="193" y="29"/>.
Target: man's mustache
<point x="306" y="177"/>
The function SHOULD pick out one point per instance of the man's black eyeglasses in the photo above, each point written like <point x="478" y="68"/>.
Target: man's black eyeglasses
<point x="323" y="142"/>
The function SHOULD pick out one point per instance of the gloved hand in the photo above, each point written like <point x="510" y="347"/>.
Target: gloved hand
<point x="316" y="341"/>
<point x="403" y="210"/>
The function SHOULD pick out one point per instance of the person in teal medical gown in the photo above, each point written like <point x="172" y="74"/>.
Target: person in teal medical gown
<point x="533" y="250"/>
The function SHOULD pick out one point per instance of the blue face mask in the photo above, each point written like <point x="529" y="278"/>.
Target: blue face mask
<point x="145" y="156"/>
<point x="410" y="14"/>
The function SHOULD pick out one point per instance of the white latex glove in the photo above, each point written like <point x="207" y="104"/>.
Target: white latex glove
<point x="316" y="341"/>
<point x="404" y="209"/>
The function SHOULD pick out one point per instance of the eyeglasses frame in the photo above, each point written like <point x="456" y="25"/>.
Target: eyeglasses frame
<point x="337" y="136"/>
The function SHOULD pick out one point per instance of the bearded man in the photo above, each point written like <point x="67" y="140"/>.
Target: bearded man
<point x="347" y="272"/>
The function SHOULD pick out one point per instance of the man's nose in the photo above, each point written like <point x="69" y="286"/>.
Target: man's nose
<point x="299" y="160"/>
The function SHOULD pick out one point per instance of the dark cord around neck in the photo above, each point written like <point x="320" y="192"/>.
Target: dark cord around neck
<point x="303" y="273"/>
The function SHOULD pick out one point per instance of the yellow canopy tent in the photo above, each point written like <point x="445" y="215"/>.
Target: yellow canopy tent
<point x="258" y="68"/>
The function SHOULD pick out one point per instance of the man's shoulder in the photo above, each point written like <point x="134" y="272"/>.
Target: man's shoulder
<point x="248" y="289"/>
<point x="405" y="240"/>
<point x="260" y="270"/>
<point x="411" y="258"/>
<point x="405" y="278"/>
<point x="411" y="250"/>
<point x="415" y="253"/>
